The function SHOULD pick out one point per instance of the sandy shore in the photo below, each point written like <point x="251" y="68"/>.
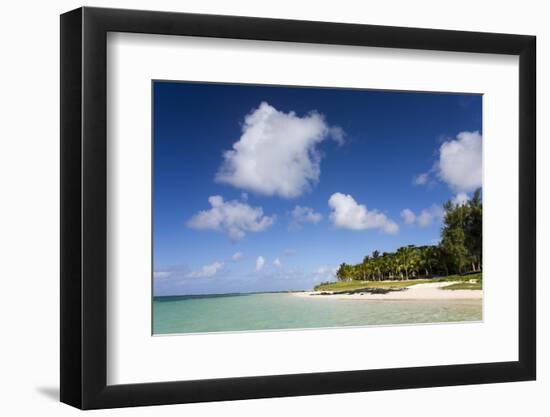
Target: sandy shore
<point x="430" y="291"/>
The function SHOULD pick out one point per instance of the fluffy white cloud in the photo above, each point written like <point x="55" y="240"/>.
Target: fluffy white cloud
<point x="325" y="273"/>
<point x="207" y="271"/>
<point x="348" y="214"/>
<point x="421" y="179"/>
<point x="428" y="216"/>
<point x="460" y="199"/>
<point x="460" y="162"/>
<point x="301" y="215"/>
<point x="232" y="217"/>
<point x="425" y="218"/>
<point x="237" y="256"/>
<point x="408" y="216"/>
<point x="260" y="262"/>
<point x="277" y="152"/>
<point x="277" y="263"/>
<point x="337" y="134"/>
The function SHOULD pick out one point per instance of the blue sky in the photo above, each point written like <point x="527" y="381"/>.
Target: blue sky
<point x="261" y="188"/>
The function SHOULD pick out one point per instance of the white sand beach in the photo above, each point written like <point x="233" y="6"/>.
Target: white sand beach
<point x="429" y="291"/>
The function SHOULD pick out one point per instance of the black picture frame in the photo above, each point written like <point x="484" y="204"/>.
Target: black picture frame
<point x="84" y="207"/>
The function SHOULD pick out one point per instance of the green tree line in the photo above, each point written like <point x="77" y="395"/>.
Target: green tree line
<point x="459" y="251"/>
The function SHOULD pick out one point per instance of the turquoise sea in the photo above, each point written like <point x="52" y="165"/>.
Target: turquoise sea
<point x="272" y="311"/>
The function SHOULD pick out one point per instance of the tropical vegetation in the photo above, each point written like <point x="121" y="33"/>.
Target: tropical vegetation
<point x="456" y="282"/>
<point x="459" y="250"/>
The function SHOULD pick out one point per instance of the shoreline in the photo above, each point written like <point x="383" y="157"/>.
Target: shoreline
<point x="419" y="292"/>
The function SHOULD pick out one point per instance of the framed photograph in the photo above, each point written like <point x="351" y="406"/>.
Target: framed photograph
<point x="259" y="208"/>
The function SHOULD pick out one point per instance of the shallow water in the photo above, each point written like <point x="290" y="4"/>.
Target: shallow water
<point x="268" y="311"/>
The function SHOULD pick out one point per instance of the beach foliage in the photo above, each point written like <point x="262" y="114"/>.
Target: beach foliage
<point x="456" y="282"/>
<point x="458" y="252"/>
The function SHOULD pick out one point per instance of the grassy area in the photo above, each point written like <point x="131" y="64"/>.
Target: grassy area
<point x="461" y="282"/>
<point x="357" y="285"/>
<point x="460" y="278"/>
<point x="467" y="282"/>
<point x="464" y="286"/>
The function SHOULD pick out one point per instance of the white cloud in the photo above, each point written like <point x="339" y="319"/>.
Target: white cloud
<point x="460" y="199"/>
<point x="161" y="274"/>
<point x="390" y="227"/>
<point x="232" y="217"/>
<point x="325" y="273"/>
<point x="408" y="216"/>
<point x="301" y="215"/>
<point x="337" y="134"/>
<point x="460" y="162"/>
<point x="348" y="214"/>
<point x="237" y="256"/>
<point x="260" y="262"/>
<point x="207" y="271"/>
<point x="277" y="152"/>
<point x="426" y="216"/>
<point x="277" y="263"/>
<point x="421" y="179"/>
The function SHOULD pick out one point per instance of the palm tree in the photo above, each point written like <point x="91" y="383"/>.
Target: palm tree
<point x="343" y="272"/>
<point x="414" y="260"/>
<point x="366" y="268"/>
<point x="405" y="256"/>
<point x="460" y="245"/>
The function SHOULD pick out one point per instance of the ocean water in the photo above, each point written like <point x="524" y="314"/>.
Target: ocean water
<point x="273" y="311"/>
